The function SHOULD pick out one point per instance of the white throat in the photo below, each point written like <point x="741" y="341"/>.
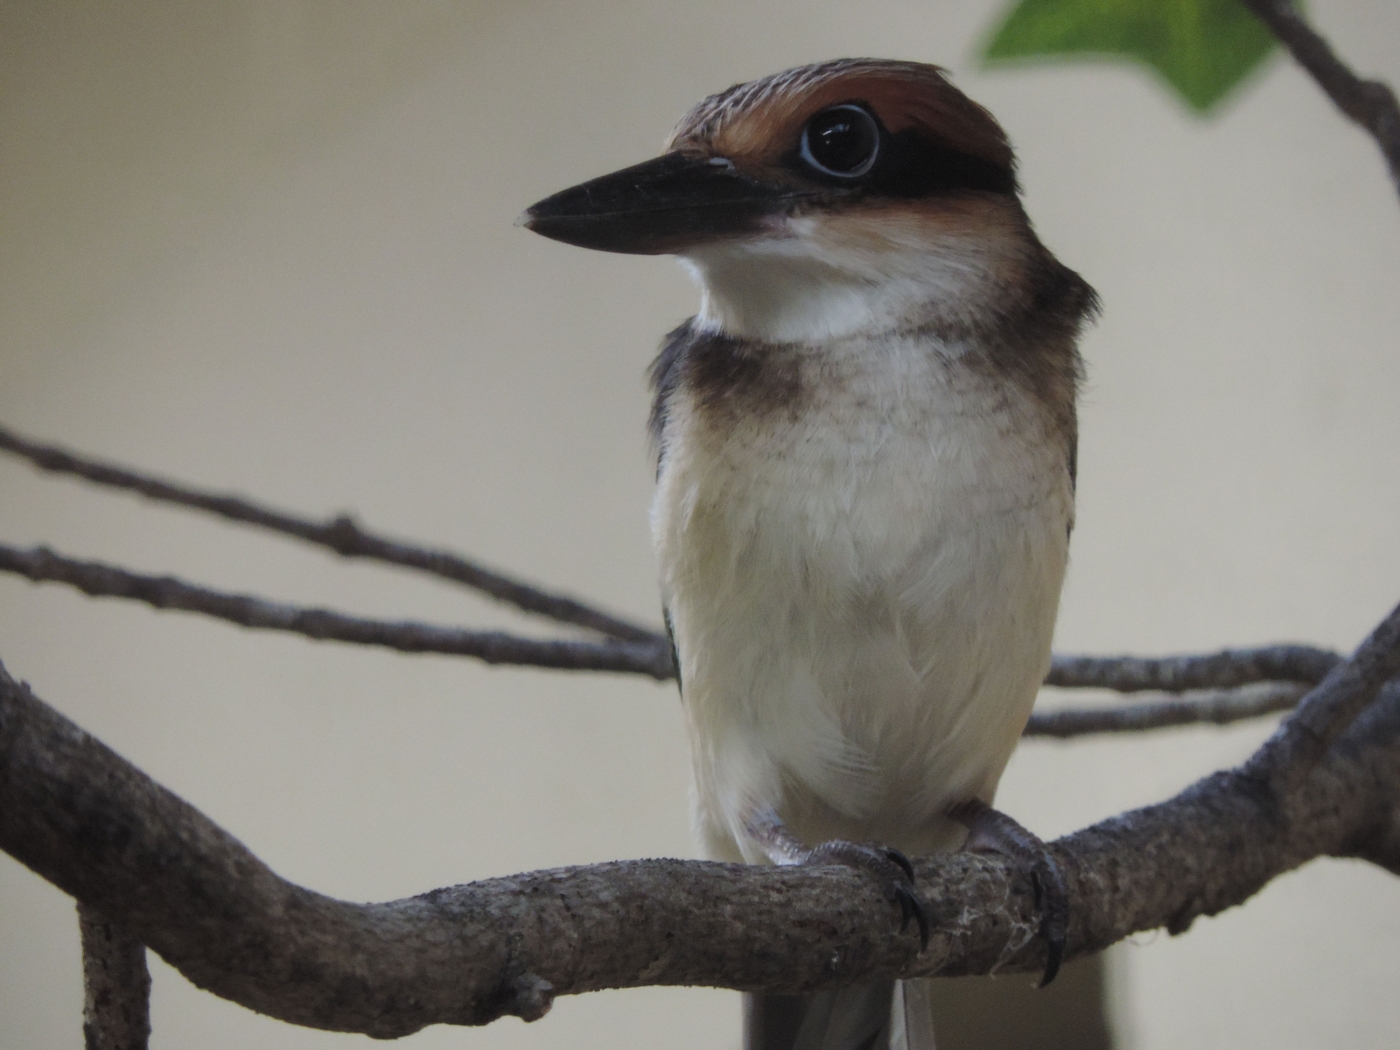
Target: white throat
<point x="819" y="279"/>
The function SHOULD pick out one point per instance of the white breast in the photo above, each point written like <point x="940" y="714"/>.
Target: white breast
<point x="863" y="591"/>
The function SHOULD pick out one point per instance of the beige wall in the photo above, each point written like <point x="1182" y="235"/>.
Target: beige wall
<point x="268" y="247"/>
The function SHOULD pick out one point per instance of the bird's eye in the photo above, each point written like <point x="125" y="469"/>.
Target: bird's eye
<point x="841" y="141"/>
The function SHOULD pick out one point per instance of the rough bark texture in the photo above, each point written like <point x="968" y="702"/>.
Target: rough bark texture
<point x="1289" y="755"/>
<point x="1217" y="707"/>
<point x="493" y="647"/>
<point x="1174" y="674"/>
<point x="98" y="828"/>
<point x="116" y="985"/>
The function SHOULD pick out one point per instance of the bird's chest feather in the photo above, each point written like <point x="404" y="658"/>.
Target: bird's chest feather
<point x="856" y="544"/>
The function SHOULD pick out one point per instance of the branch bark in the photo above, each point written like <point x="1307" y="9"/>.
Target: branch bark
<point x="1290" y="754"/>
<point x="340" y="534"/>
<point x="1218" y="708"/>
<point x="86" y="820"/>
<point x="1174" y="674"/>
<point x="1286" y="666"/>
<point x="116" y="985"/>
<point x="1369" y="103"/>
<point x="494" y="647"/>
<point x="648" y="652"/>
<point x="1125" y="674"/>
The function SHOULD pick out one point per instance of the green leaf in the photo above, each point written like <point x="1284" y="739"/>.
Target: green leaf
<point x="1202" y="48"/>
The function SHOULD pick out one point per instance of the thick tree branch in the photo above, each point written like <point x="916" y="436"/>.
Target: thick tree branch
<point x="1370" y="103"/>
<point x="341" y="535"/>
<point x="495" y="647"/>
<point x="116" y="984"/>
<point x="1289" y="755"/>
<point x="1382" y="847"/>
<point x="98" y="828"/>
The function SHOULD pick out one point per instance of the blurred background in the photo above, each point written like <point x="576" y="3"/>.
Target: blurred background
<point x="266" y="246"/>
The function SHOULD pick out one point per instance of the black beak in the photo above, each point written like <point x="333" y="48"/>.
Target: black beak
<point x="658" y="207"/>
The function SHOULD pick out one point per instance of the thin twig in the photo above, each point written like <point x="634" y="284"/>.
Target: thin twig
<point x="1226" y="669"/>
<point x="1370" y="103"/>
<point x="495" y="647"/>
<point x="1217" y="707"/>
<point x="341" y="535"/>
<point x="116" y="985"/>
<point x="1175" y="674"/>
<point x="1124" y="674"/>
<point x="1289" y="755"/>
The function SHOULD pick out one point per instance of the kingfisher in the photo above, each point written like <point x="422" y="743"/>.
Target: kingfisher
<point x="865" y="444"/>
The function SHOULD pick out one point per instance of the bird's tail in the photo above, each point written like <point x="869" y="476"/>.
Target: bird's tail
<point x="878" y="1015"/>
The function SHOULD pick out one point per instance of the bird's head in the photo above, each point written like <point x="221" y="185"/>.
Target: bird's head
<point x="818" y="202"/>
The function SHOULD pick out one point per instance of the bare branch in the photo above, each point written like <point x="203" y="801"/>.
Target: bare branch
<point x="650" y="655"/>
<point x="1228" y="668"/>
<point x="1175" y="674"/>
<point x="1289" y="755"/>
<point x="116" y="983"/>
<point x="98" y="828"/>
<point x="341" y="535"/>
<point x="1370" y="103"/>
<point x="495" y="647"/>
<point x="1218" y="707"/>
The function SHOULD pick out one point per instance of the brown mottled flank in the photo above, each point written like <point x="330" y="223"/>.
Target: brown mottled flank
<point x="751" y="123"/>
<point x="1034" y="341"/>
<point x="726" y="375"/>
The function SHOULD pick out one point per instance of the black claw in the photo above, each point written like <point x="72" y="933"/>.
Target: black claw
<point x="1054" y="955"/>
<point x="1053" y="902"/>
<point x="993" y="831"/>
<point x="912" y="907"/>
<point x="892" y="868"/>
<point x="899" y="858"/>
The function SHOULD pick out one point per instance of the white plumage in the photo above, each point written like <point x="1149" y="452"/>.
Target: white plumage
<point x="863" y="592"/>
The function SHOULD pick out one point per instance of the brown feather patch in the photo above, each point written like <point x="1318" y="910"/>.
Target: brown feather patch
<point x="756" y="123"/>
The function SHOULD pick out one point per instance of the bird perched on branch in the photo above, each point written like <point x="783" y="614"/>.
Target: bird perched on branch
<point x="865" y="485"/>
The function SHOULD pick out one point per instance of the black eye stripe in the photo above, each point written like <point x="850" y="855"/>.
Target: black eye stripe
<point x="913" y="165"/>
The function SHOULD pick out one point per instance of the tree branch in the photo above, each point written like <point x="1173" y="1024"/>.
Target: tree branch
<point x="649" y="655"/>
<point x="341" y="535"/>
<point x="1227" y="669"/>
<point x="1175" y="674"/>
<point x="1289" y="755"/>
<point x="86" y="820"/>
<point x="1217" y="707"/>
<point x="116" y="984"/>
<point x="494" y="647"/>
<point x="1369" y="103"/>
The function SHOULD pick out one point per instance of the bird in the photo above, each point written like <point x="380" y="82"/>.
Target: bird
<point x="865" y="448"/>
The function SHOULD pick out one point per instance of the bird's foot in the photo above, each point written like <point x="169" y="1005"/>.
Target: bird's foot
<point x="992" y="831"/>
<point x="889" y="867"/>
